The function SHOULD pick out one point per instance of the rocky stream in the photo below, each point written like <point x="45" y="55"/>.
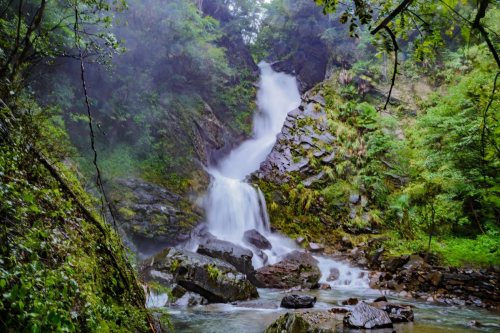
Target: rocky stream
<point x="235" y="274"/>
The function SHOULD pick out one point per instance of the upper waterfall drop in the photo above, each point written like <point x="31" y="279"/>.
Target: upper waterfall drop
<point x="232" y="205"/>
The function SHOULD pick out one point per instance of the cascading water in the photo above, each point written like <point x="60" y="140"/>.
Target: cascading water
<point x="234" y="206"/>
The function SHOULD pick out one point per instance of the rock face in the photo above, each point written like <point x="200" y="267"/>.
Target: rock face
<point x="305" y="128"/>
<point x="233" y="254"/>
<point x="212" y="278"/>
<point x="287" y="274"/>
<point x="256" y="239"/>
<point x="151" y="215"/>
<point x="366" y="316"/>
<point x="299" y="256"/>
<point x="293" y="323"/>
<point x="298" y="301"/>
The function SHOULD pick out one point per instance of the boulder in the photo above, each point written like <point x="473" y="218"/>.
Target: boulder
<point x="435" y="278"/>
<point x="393" y="263"/>
<point x="366" y="316"/>
<point x="299" y="256"/>
<point x="212" y="278"/>
<point x="293" y="323"/>
<point x="397" y="313"/>
<point x="413" y="261"/>
<point x="324" y="286"/>
<point x="287" y="274"/>
<point x="256" y="239"/>
<point x="261" y="254"/>
<point x="189" y="299"/>
<point x="298" y="301"/>
<point x="334" y="274"/>
<point x="300" y="240"/>
<point x="233" y="254"/>
<point x="315" y="247"/>
<point x="350" y="301"/>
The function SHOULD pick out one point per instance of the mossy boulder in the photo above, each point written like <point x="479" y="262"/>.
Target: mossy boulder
<point x="212" y="278"/>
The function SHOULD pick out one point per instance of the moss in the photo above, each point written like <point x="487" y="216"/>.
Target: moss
<point x="62" y="267"/>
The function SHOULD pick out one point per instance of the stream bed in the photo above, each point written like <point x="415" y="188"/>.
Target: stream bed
<point x="429" y="317"/>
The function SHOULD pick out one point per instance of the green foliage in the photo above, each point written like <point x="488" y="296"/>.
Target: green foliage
<point x="61" y="270"/>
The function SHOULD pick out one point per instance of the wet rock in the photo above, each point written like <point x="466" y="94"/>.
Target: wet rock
<point x="300" y="240"/>
<point x="255" y="238"/>
<point x="334" y="274"/>
<point x="380" y="299"/>
<point x="350" y="301"/>
<point x="325" y="286"/>
<point x="315" y="247"/>
<point x="178" y="292"/>
<point x="284" y="66"/>
<point x="233" y="254"/>
<point x="201" y="231"/>
<point x="338" y="310"/>
<point x="299" y="256"/>
<point x="397" y="313"/>
<point x="212" y="278"/>
<point x="474" y="323"/>
<point x="287" y="274"/>
<point x="366" y="316"/>
<point x="393" y="263"/>
<point x="293" y="323"/>
<point x="261" y="254"/>
<point x="298" y="301"/>
<point x="435" y="278"/>
<point x="375" y="258"/>
<point x="189" y="299"/>
<point x="413" y="261"/>
<point x="136" y="202"/>
<point x="256" y="305"/>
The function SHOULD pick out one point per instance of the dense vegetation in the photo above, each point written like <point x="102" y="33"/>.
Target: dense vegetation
<point x="428" y="164"/>
<point x="427" y="160"/>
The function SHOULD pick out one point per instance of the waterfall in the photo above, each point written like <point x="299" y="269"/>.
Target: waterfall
<point x="232" y="205"/>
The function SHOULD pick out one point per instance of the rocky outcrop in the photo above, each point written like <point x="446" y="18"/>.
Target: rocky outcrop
<point x="233" y="254"/>
<point x="366" y="316"/>
<point x="287" y="274"/>
<point x="256" y="239"/>
<point x="298" y="301"/>
<point x="305" y="129"/>
<point x="151" y="215"/>
<point x="212" y="278"/>
<point x="293" y="323"/>
<point x="210" y="138"/>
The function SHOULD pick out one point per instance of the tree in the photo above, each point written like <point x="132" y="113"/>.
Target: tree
<point x="34" y="33"/>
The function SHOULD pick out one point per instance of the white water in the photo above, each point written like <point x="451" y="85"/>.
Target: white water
<point x="234" y="206"/>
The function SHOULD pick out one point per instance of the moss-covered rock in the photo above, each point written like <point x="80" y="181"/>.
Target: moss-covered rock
<point x="212" y="278"/>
